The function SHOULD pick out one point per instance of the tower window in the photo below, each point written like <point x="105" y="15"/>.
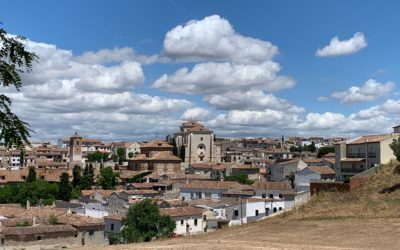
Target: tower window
<point x="201" y="138"/>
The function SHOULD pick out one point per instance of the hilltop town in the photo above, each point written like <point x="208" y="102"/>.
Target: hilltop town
<point x="203" y="182"/>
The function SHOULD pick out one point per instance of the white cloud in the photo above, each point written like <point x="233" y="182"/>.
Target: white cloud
<point x="214" y="78"/>
<point x="63" y="94"/>
<point x="114" y="55"/>
<point x="337" y="47"/>
<point x="196" y="113"/>
<point x="370" y="91"/>
<point x="213" y="38"/>
<point x="251" y="100"/>
<point x="323" y="99"/>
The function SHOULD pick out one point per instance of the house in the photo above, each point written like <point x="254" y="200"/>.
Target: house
<point x="132" y="149"/>
<point x="224" y="169"/>
<point x="90" y="230"/>
<point x="188" y="220"/>
<point x="113" y="224"/>
<point x="214" y="190"/>
<point x="119" y="201"/>
<point x="38" y="234"/>
<point x="279" y="171"/>
<point x="357" y="155"/>
<point x="304" y="177"/>
<point x="278" y="191"/>
<point x="156" y="156"/>
<point x="95" y="196"/>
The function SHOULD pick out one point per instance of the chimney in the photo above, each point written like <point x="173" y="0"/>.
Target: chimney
<point x="28" y="204"/>
<point x="34" y="221"/>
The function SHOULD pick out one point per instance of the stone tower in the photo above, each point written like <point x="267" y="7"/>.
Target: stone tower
<point x="75" y="149"/>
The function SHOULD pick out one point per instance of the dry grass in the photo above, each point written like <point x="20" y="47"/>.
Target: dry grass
<point x="364" y="219"/>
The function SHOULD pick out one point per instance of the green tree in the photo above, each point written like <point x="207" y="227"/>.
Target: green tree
<point x="76" y="176"/>
<point x="121" y="153"/>
<point x="290" y="177"/>
<point x="87" y="177"/>
<point x="144" y="222"/>
<point x="325" y="150"/>
<point x="108" y="179"/>
<point x="97" y="157"/>
<point x="31" y="175"/>
<point x="175" y="147"/>
<point x="241" y="178"/>
<point x="311" y="147"/>
<point x="52" y="220"/>
<point x="14" y="61"/>
<point x="182" y="153"/>
<point x="65" y="188"/>
<point x="395" y="146"/>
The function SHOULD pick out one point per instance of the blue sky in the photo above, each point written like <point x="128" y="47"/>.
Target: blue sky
<point x="296" y="28"/>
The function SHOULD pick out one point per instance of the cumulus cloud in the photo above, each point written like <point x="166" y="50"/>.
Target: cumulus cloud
<point x="114" y="55"/>
<point x="213" y="38"/>
<point x="211" y="78"/>
<point x="196" y="113"/>
<point x="370" y="91"/>
<point x="251" y="100"/>
<point x="338" y="47"/>
<point x="64" y="93"/>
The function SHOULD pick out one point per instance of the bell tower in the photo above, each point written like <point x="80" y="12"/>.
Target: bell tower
<point x="75" y="149"/>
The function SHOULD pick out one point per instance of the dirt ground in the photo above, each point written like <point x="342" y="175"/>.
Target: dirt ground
<point x="374" y="233"/>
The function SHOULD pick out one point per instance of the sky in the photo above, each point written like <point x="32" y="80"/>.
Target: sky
<point x="135" y="70"/>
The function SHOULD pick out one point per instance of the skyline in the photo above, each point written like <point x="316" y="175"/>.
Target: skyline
<point x="326" y="71"/>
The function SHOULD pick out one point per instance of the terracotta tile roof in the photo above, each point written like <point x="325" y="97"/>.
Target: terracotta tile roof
<point x="322" y="170"/>
<point x="371" y="138"/>
<point x="143" y="185"/>
<point x="104" y="193"/>
<point x="182" y="211"/>
<point x="157" y="144"/>
<point x="141" y="192"/>
<point x="190" y="123"/>
<point x="312" y="160"/>
<point x="330" y="160"/>
<point x="329" y="155"/>
<point x="220" y="166"/>
<point x="198" y="128"/>
<point x="79" y="220"/>
<point x="164" y="156"/>
<point x="219" y="185"/>
<point x="51" y="175"/>
<point x="41" y="229"/>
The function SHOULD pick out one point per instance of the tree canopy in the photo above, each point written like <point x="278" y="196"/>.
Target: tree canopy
<point x="395" y="146"/>
<point x="241" y="178"/>
<point x="325" y="150"/>
<point x="121" y="153"/>
<point x="14" y="61"/>
<point x="144" y="222"/>
<point x="65" y="188"/>
<point x="108" y="179"/>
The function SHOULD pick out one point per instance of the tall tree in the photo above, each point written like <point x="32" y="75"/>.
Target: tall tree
<point x="311" y="147"/>
<point x="144" y="222"/>
<point x="65" y="188"/>
<point x="290" y="177"/>
<point x="14" y="61"/>
<point x="31" y="175"/>
<point x="88" y="177"/>
<point x="121" y="153"/>
<point x="395" y="146"/>
<point x="76" y="176"/>
<point x="108" y="179"/>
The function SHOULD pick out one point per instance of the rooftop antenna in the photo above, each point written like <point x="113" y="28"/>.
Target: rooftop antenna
<point x="156" y="135"/>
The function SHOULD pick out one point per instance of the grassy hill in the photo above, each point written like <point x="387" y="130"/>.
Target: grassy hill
<point x="378" y="198"/>
<point x="368" y="218"/>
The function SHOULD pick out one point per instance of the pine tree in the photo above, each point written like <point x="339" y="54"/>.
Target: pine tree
<point x="88" y="177"/>
<point x="31" y="175"/>
<point x="77" y="176"/>
<point x="65" y="188"/>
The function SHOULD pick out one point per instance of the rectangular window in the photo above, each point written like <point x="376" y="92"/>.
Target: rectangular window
<point x="112" y="226"/>
<point x="236" y="212"/>
<point x="181" y="222"/>
<point x="271" y="196"/>
<point x="91" y="232"/>
<point x="264" y="196"/>
<point x="195" y="222"/>
<point x="256" y="212"/>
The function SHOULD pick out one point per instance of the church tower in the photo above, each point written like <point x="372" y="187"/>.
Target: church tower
<point x="75" y="149"/>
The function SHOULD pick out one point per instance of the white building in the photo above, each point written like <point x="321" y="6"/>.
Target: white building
<point x="188" y="220"/>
